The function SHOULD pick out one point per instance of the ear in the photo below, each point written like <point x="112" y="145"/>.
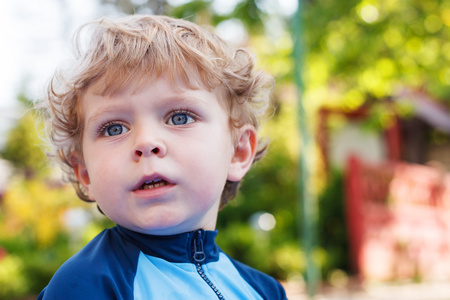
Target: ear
<point x="244" y="153"/>
<point x="80" y="170"/>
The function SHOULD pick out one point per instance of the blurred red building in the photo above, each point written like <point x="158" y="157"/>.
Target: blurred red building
<point x="397" y="190"/>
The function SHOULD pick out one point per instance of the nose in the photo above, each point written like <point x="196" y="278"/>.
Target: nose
<point x="147" y="149"/>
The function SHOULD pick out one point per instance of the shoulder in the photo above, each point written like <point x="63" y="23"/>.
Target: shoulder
<point x="103" y="269"/>
<point x="264" y="284"/>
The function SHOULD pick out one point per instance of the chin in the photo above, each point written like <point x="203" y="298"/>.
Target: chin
<point x="162" y="228"/>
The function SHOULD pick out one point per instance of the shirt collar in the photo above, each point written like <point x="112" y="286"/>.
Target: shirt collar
<point x="197" y="246"/>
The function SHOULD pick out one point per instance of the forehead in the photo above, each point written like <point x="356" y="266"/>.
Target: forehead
<point x="175" y="83"/>
<point x="117" y="80"/>
<point x="168" y="90"/>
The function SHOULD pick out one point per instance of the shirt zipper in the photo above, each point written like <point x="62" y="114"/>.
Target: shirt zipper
<point x="199" y="257"/>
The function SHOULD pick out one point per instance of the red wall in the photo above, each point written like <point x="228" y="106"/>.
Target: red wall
<point x="398" y="218"/>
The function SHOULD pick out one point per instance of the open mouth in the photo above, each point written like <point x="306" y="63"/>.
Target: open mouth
<point x="151" y="184"/>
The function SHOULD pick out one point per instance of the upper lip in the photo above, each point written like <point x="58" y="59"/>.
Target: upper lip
<point x="150" y="178"/>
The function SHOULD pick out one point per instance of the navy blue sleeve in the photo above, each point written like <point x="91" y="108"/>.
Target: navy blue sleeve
<point x="104" y="269"/>
<point x="265" y="285"/>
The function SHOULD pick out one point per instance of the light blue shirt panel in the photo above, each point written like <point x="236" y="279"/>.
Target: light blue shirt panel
<point x="228" y="280"/>
<point x="159" y="279"/>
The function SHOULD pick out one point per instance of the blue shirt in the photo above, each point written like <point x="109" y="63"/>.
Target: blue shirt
<point x="123" y="264"/>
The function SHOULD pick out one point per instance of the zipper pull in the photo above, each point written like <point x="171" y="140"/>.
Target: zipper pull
<point x="199" y="255"/>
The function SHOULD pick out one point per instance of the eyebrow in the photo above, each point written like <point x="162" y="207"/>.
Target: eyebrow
<point x="188" y="99"/>
<point x="111" y="109"/>
<point x="165" y="101"/>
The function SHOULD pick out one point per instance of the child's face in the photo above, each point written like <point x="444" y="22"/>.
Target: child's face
<point x="156" y="160"/>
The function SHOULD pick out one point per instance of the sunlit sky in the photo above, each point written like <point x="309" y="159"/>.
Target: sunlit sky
<point x="36" y="38"/>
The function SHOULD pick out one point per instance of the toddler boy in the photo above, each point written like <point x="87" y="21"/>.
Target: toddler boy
<point x="157" y="123"/>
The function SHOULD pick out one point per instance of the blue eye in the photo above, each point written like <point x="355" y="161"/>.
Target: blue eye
<point x="115" y="129"/>
<point x="180" y="119"/>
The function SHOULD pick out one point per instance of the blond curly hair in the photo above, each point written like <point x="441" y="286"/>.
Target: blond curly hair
<point x="117" y="52"/>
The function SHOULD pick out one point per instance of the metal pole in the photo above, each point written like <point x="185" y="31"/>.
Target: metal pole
<point x="307" y="200"/>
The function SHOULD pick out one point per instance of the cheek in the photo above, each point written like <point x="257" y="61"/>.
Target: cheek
<point x="211" y="168"/>
<point x="103" y="169"/>
<point x="100" y="157"/>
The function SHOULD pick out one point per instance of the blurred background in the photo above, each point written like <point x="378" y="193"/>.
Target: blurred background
<point x="353" y="197"/>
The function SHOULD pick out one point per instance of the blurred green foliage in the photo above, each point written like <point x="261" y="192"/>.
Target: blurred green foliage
<point x="32" y="234"/>
<point x="332" y="229"/>
<point x="360" y="50"/>
<point x="23" y="146"/>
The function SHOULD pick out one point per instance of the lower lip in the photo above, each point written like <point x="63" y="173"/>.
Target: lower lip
<point x="155" y="192"/>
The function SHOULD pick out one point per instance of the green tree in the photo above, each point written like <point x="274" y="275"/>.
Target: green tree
<point x="364" y="50"/>
<point x="23" y="146"/>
